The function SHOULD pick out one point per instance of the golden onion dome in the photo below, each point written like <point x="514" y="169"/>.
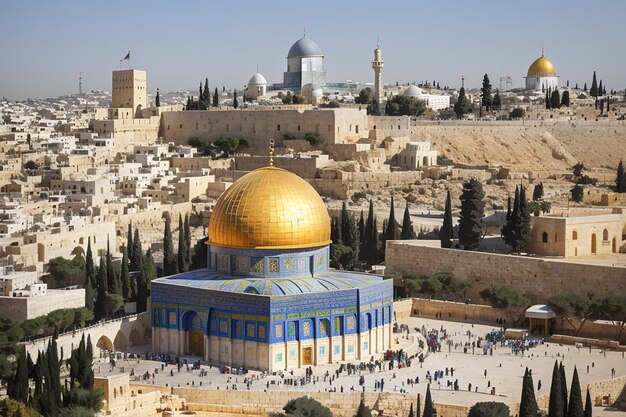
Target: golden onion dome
<point x="541" y="66"/>
<point x="269" y="208"/>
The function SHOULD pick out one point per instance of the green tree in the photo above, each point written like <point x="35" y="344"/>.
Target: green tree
<point x="485" y="93"/>
<point x="14" y="408"/>
<point x="528" y="404"/>
<point x="601" y="91"/>
<point x="517" y="113"/>
<point x="90" y="269"/>
<point x="230" y="145"/>
<point x="429" y="407"/>
<point x="18" y="388"/>
<point x="157" y="100"/>
<point x="373" y="109"/>
<point x="565" y="99"/>
<point x="538" y="192"/>
<point x="67" y="272"/>
<point x="364" y="411"/>
<point x="510" y="300"/>
<point x="577" y="193"/>
<point x="548" y="100"/>
<point x="446" y="233"/>
<point x="362" y="239"/>
<point x="575" y="309"/>
<point x="461" y="107"/>
<point x="588" y="405"/>
<point x="313" y="139"/>
<point x="556" y="407"/>
<point x="235" y="102"/>
<point x="365" y="96"/>
<point x="216" y="98"/>
<point x="371" y="237"/>
<point x="101" y="294"/>
<point x="125" y="276"/>
<point x="497" y="101"/>
<point x="594" y="86"/>
<point x="405" y="106"/>
<point x="206" y="95"/>
<point x="489" y="409"/>
<point x="391" y="232"/>
<point x="183" y="256"/>
<point x="563" y="388"/>
<point x="555" y="99"/>
<point x="113" y="284"/>
<point x="306" y="407"/>
<point x="620" y="179"/>
<point x="472" y="214"/>
<point x="613" y="308"/>
<point x="148" y="273"/>
<point x="575" y="406"/>
<point x="170" y="266"/>
<point x="89" y="298"/>
<point x="411" y="413"/>
<point x="137" y="252"/>
<point x="408" y="232"/>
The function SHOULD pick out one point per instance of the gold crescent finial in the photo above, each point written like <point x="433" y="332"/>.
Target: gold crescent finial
<point x="271" y="149"/>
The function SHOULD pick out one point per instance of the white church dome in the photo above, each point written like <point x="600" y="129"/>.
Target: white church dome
<point x="257" y="79"/>
<point x="413" y="91"/>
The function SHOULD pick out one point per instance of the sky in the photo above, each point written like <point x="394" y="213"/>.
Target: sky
<point x="45" y="45"/>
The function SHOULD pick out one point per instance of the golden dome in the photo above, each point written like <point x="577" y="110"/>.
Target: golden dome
<point x="541" y="66"/>
<point x="269" y="208"/>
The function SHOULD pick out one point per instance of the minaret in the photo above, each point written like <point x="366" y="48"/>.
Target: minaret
<point x="377" y="66"/>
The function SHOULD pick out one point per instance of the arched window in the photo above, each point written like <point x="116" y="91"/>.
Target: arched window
<point x="605" y="235"/>
<point x="574" y="235"/>
<point x="544" y="237"/>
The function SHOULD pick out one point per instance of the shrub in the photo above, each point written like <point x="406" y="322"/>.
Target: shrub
<point x="517" y="113"/>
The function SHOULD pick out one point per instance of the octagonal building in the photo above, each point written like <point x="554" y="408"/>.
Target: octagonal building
<point x="268" y="299"/>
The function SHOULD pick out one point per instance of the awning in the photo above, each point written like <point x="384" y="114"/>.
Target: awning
<point x="540" y="311"/>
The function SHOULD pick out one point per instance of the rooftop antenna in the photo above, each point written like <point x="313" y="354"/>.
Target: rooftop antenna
<point x="271" y="149"/>
<point x="305" y="31"/>
<point x="462" y="81"/>
<point x="80" y="83"/>
<point x="541" y="51"/>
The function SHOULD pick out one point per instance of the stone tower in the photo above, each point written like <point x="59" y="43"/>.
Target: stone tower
<point x="377" y="65"/>
<point x="129" y="90"/>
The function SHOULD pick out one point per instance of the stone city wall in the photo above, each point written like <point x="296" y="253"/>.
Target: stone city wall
<point x="537" y="278"/>
<point x="25" y="308"/>
<point x="341" y="184"/>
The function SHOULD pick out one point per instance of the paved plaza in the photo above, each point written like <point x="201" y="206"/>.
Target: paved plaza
<point x="501" y="369"/>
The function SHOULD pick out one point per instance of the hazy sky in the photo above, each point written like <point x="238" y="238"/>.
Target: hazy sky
<point x="44" y="45"/>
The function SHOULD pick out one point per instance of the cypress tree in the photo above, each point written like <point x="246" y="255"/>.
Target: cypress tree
<point x="101" y="294"/>
<point x="90" y="270"/>
<point x="112" y="288"/>
<point x="371" y="237"/>
<point x="54" y="384"/>
<point x="363" y="410"/>
<point x="136" y="258"/>
<point x="528" y="403"/>
<point x="555" y="99"/>
<point x="508" y="208"/>
<point x="565" y="99"/>
<point x="206" y="94"/>
<point x="391" y="232"/>
<point x="407" y="232"/>
<point x="548" y="100"/>
<point x="575" y="406"/>
<point x="486" y="99"/>
<point x="429" y="408"/>
<point x="525" y="228"/>
<point x="497" y="101"/>
<point x="556" y="406"/>
<point x="594" y="86"/>
<point x="472" y="214"/>
<point x="235" y="102"/>
<point x="345" y="225"/>
<point x="183" y="256"/>
<point x="188" y="242"/>
<point x="563" y="388"/>
<point x="411" y="414"/>
<point x="18" y="388"/>
<point x="89" y="303"/>
<point x="216" y="99"/>
<point x="129" y="242"/>
<point x="446" y="234"/>
<point x="335" y="231"/>
<point x="585" y="88"/>
<point x="588" y="405"/>
<point x="600" y="89"/>
<point x="461" y="106"/>
<point x="361" y="227"/>
<point x="620" y="180"/>
<point x="157" y="100"/>
<point x="169" y="260"/>
<point x="125" y="276"/>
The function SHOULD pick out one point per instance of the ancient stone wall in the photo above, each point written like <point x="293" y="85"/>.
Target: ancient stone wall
<point x="537" y="278"/>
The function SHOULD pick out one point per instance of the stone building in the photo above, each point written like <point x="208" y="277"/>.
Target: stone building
<point x="268" y="299"/>
<point x="576" y="236"/>
<point x="257" y="87"/>
<point x="416" y="155"/>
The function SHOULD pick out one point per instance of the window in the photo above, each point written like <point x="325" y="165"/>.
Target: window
<point x="278" y="128"/>
<point x="544" y="237"/>
<point x="574" y="235"/>
<point x="298" y="128"/>
<point x="605" y="235"/>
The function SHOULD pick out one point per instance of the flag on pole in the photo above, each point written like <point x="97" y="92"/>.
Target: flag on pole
<point x="127" y="56"/>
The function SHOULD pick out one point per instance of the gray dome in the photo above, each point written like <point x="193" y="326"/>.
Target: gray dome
<point x="304" y="47"/>
<point x="413" y="91"/>
<point x="257" y="79"/>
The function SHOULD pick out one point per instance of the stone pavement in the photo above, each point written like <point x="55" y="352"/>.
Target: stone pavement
<point x="502" y="370"/>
